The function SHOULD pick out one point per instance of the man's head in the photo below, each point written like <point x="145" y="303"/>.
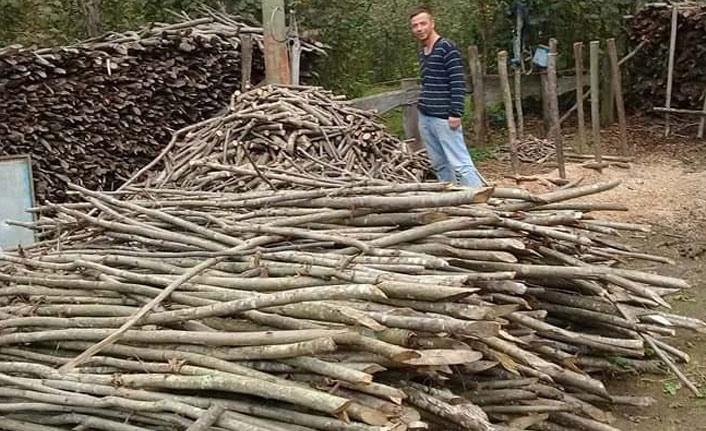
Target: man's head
<point x="422" y="22"/>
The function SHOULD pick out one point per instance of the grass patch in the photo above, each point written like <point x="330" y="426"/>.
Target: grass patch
<point x="483" y="154"/>
<point x="371" y="90"/>
<point x="393" y="122"/>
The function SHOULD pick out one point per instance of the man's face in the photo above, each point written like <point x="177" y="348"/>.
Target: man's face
<point x="422" y="26"/>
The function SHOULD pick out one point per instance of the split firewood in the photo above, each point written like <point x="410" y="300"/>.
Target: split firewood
<point x="651" y="28"/>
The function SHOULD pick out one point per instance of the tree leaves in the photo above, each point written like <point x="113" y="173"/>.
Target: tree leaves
<point x="370" y="39"/>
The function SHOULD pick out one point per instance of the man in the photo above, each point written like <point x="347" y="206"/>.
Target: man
<point x="441" y="103"/>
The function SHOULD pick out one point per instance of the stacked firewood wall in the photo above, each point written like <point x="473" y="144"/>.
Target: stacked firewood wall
<point x="94" y="113"/>
<point x="649" y="67"/>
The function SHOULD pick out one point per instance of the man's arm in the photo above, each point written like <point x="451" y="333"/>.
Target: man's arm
<point x="457" y="81"/>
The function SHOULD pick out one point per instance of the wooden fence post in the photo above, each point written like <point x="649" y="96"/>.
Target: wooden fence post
<point x="410" y="115"/>
<point x="275" y="40"/>
<point x="555" y="131"/>
<point x="246" y="49"/>
<point x="670" y="70"/>
<point x="545" y="103"/>
<point x="518" y="104"/>
<point x="595" y="101"/>
<point x="295" y="49"/>
<point x="479" y="116"/>
<point x="607" y="94"/>
<point x="507" y="97"/>
<point x="702" y="123"/>
<point x="578" y="58"/>
<point x="618" y="92"/>
<point x="553" y="46"/>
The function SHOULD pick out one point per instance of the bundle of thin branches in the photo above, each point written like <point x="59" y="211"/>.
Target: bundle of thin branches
<point x="357" y="308"/>
<point x="531" y="150"/>
<point x="283" y="137"/>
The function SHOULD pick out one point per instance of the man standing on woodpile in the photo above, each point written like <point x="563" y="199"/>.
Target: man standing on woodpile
<point x="441" y="103"/>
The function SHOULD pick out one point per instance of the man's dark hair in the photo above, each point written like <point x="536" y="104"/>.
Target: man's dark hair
<point x="420" y="10"/>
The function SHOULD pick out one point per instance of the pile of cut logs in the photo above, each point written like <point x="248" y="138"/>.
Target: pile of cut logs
<point x="286" y="136"/>
<point x="649" y="67"/>
<point x="356" y="308"/>
<point x="95" y="112"/>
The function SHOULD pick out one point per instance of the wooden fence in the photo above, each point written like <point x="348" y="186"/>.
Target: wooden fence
<point x="408" y="94"/>
<point x="548" y="85"/>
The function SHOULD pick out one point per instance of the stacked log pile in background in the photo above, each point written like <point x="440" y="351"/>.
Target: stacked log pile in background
<point x="649" y="67"/>
<point x="95" y="112"/>
<point x="356" y="308"/>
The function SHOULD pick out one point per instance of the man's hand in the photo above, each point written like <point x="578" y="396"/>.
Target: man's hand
<point x="454" y="123"/>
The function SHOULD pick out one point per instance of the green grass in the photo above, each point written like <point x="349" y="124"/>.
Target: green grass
<point x="482" y="154"/>
<point x="370" y="90"/>
<point x="393" y="121"/>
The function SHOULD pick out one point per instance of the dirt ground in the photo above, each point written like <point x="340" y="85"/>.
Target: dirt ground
<point x="664" y="187"/>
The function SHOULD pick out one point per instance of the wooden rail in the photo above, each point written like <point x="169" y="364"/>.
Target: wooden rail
<point x="407" y="97"/>
<point x="390" y="100"/>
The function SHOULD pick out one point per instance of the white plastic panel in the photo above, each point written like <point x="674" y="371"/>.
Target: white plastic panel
<point x="16" y="195"/>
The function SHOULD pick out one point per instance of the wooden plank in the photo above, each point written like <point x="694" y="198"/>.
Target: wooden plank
<point x="578" y="60"/>
<point x="618" y="93"/>
<point x="595" y="100"/>
<point x="670" y="67"/>
<point x="555" y="131"/>
<point x="410" y="114"/>
<point x="382" y="102"/>
<point x="275" y="40"/>
<point x="479" y="114"/>
<point x="531" y="87"/>
<point x="246" y="49"/>
<point x="512" y="132"/>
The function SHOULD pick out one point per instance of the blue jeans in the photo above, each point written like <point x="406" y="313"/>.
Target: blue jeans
<point x="448" y="152"/>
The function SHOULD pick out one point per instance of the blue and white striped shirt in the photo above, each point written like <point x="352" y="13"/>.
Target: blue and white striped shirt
<point x="443" y="81"/>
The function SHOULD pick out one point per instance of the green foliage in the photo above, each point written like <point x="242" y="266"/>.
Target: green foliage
<point x="620" y="362"/>
<point x="393" y="121"/>
<point x="370" y="39"/>
<point x="670" y="388"/>
<point x="481" y="154"/>
<point x="650" y="353"/>
<point x="56" y="22"/>
<point x="496" y="116"/>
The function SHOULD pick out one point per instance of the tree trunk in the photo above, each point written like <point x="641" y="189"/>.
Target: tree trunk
<point x="92" y="17"/>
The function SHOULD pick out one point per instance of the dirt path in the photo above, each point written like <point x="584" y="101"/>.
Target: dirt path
<point x="666" y="188"/>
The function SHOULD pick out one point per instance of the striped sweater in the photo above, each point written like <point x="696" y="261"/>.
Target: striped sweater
<point x="443" y="82"/>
